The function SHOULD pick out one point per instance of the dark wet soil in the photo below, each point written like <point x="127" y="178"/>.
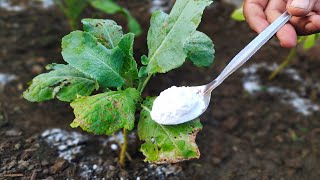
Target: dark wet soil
<point x="244" y="136"/>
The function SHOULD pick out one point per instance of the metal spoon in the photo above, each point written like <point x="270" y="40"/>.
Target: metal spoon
<point x="242" y="57"/>
<point x="245" y="54"/>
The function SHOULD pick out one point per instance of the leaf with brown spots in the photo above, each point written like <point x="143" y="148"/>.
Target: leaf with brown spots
<point x="167" y="144"/>
<point x="63" y="82"/>
<point x="105" y="30"/>
<point x="106" y="113"/>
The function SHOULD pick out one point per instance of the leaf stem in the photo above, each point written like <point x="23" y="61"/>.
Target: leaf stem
<point x="289" y="58"/>
<point x="119" y="144"/>
<point x="124" y="148"/>
<point x="143" y="83"/>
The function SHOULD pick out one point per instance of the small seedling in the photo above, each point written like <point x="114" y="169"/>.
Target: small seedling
<point x="73" y="9"/>
<point x="307" y="42"/>
<point x="101" y="58"/>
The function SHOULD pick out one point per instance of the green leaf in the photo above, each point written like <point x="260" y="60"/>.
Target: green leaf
<point x="168" y="34"/>
<point x="144" y="60"/>
<point x="107" y="6"/>
<point x="130" y="69"/>
<point x="167" y="144"/>
<point x="133" y="24"/>
<point x="200" y="49"/>
<point x="238" y="15"/>
<point x="106" y="113"/>
<point x="142" y="71"/>
<point x="107" y="30"/>
<point x="110" y="7"/>
<point x="63" y="82"/>
<point x="309" y="41"/>
<point x="72" y="9"/>
<point x="83" y="51"/>
<point x="75" y="7"/>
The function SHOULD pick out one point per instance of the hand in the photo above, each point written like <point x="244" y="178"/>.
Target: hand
<point x="306" y="17"/>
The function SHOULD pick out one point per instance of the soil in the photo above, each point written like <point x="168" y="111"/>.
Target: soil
<point x="244" y="136"/>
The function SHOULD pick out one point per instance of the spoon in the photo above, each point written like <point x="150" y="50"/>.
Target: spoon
<point x="243" y="56"/>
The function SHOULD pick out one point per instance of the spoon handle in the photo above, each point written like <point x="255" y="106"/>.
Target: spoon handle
<point x="244" y="55"/>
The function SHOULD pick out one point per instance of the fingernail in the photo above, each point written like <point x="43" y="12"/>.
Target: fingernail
<point x="301" y="4"/>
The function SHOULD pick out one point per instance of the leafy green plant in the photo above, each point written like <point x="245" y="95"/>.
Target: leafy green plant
<point x="101" y="58"/>
<point x="306" y="42"/>
<point x="73" y="9"/>
<point x="238" y="14"/>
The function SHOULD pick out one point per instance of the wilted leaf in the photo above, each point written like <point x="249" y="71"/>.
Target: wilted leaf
<point x="106" y="113"/>
<point x="200" y="49"/>
<point x="63" y="82"/>
<point x="83" y="51"/>
<point x="167" y="144"/>
<point x="107" y="30"/>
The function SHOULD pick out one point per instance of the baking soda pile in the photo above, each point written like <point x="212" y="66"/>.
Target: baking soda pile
<point x="178" y="105"/>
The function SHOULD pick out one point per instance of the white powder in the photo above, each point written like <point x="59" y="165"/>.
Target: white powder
<point x="178" y="105"/>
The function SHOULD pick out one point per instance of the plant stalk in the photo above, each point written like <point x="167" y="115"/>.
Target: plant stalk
<point x="289" y="58"/>
<point x="124" y="148"/>
<point x="142" y="84"/>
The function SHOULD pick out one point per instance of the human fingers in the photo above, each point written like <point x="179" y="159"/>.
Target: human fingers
<point x="254" y="14"/>
<point x="300" y="8"/>
<point x="307" y="25"/>
<point x="287" y="34"/>
<point x="306" y="15"/>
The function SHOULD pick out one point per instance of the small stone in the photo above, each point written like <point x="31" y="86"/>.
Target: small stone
<point x="11" y="164"/>
<point x="216" y="161"/>
<point x="112" y="168"/>
<point x="59" y="165"/>
<point x="30" y="167"/>
<point x="45" y="171"/>
<point x="23" y="164"/>
<point x="37" y="69"/>
<point x="13" y="133"/>
<point x="114" y="147"/>
<point x="20" y="87"/>
<point x="40" y="60"/>
<point x="44" y="162"/>
<point x="230" y="123"/>
<point x="17" y="146"/>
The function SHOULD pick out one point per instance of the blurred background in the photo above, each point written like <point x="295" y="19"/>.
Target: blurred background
<point x="263" y="122"/>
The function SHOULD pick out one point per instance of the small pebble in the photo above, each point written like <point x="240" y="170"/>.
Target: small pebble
<point x="23" y="164"/>
<point x="112" y="168"/>
<point x="45" y="171"/>
<point x="11" y="164"/>
<point x="114" y="147"/>
<point x="13" y="133"/>
<point x="30" y="167"/>
<point x="17" y="146"/>
<point x="44" y="162"/>
<point x="37" y="69"/>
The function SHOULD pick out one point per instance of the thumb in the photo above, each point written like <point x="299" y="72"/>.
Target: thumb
<point x="300" y="7"/>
